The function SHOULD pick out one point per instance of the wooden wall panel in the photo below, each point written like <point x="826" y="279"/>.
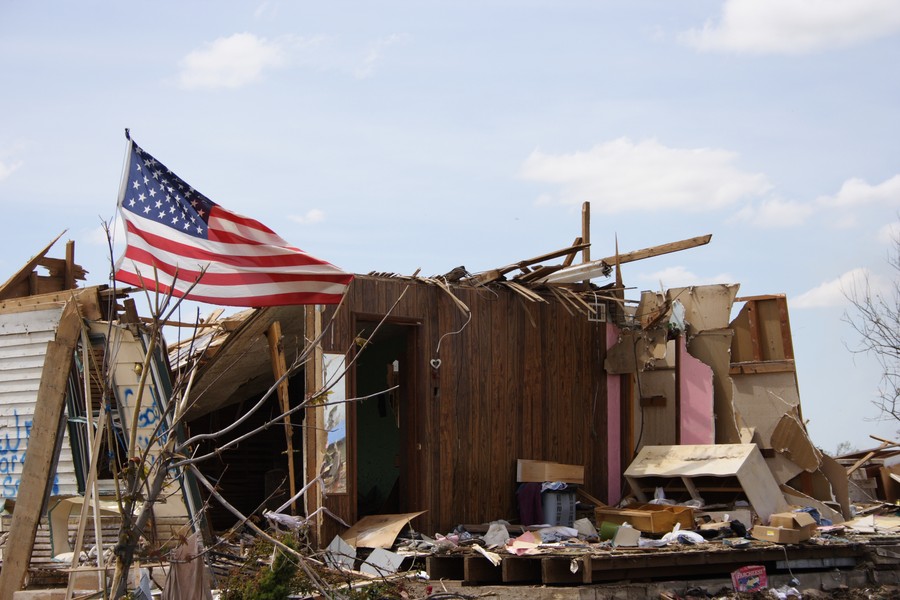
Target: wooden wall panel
<point x="522" y="380"/>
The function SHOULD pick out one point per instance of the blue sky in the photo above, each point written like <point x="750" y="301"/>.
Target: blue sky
<point x="393" y="136"/>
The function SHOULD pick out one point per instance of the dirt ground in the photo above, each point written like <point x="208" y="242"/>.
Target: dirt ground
<point x="415" y="590"/>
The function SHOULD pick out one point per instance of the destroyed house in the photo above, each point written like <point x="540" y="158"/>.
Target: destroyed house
<point x="66" y="354"/>
<point x="422" y="396"/>
<point x="449" y="381"/>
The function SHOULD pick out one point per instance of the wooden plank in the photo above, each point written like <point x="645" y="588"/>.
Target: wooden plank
<point x="41" y="453"/>
<point x="769" y="366"/>
<point x="279" y="368"/>
<point x="596" y="268"/>
<point x="478" y="569"/>
<point x="538" y="471"/>
<point x="521" y="570"/>
<point x="556" y="570"/>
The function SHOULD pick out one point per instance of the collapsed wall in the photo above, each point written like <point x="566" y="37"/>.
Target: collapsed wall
<point x="700" y="377"/>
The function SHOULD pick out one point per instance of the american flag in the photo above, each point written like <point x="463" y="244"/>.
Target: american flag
<point x="173" y="233"/>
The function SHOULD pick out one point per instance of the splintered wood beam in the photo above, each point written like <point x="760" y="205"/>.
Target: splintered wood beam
<point x="279" y="368"/>
<point x="25" y="272"/>
<point x="596" y="268"/>
<point x="69" y="277"/>
<point x="495" y="274"/>
<point x="315" y="438"/>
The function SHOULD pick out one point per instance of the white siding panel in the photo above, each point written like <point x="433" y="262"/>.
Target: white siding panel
<point x="23" y="345"/>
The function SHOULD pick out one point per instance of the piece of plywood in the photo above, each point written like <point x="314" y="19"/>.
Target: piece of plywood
<point x="798" y="498"/>
<point x="761" y="399"/>
<point x="538" y="471"/>
<point x="790" y="439"/>
<point x="782" y="468"/>
<point x="840" y="483"/>
<point x="656" y="419"/>
<point x="378" y="531"/>
<point x="621" y="357"/>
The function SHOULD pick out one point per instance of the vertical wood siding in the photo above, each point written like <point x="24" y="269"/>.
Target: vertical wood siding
<point x="522" y="380"/>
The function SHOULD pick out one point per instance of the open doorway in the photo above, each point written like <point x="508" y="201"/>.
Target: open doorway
<point x="384" y="421"/>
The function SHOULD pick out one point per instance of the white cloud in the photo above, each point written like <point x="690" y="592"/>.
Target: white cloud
<point x="243" y="58"/>
<point x="375" y="53"/>
<point x="840" y="207"/>
<point x="622" y="175"/>
<point x="795" y="26"/>
<point x="834" y="293"/>
<point x="231" y="62"/>
<point x="856" y="192"/>
<point x="679" y="276"/>
<point x="312" y="216"/>
<point x="775" y="212"/>
<point x="6" y="169"/>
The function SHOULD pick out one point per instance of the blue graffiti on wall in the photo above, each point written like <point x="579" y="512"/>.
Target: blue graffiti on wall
<point x="12" y="457"/>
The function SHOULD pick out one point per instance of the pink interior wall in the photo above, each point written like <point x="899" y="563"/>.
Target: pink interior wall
<point x="696" y="393"/>
<point x="613" y="425"/>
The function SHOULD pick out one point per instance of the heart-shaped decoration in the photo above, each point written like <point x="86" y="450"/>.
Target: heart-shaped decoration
<point x="435" y="363"/>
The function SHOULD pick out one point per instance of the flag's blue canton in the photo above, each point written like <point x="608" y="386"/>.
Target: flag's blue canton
<point x="155" y="193"/>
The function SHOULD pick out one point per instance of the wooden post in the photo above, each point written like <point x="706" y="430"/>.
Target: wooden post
<point x="41" y="451"/>
<point x="586" y="236"/>
<point x="69" y="275"/>
<point x="279" y="367"/>
<point x="313" y="457"/>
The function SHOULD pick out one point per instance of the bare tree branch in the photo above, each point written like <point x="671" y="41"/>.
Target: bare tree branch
<point x="875" y="316"/>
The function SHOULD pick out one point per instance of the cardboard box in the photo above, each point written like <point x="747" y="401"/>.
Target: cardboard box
<point x="795" y="520"/>
<point x="751" y="578"/>
<point x="778" y="535"/>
